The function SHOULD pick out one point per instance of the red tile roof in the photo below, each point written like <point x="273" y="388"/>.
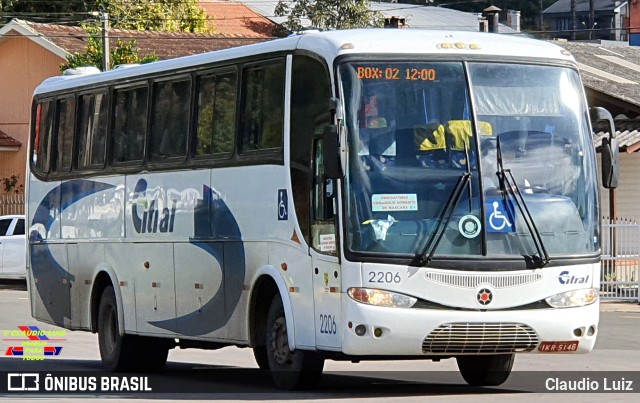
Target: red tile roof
<point x="8" y="141"/>
<point x="236" y="18"/>
<point x="166" y="45"/>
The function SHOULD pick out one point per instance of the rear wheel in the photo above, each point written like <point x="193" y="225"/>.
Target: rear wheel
<point x="260" y="354"/>
<point x="126" y="353"/>
<point x="289" y="369"/>
<point x="485" y="370"/>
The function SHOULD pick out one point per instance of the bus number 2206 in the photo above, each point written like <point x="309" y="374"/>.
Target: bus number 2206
<point x="328" y="324"/>
<point x="384" y="277"/>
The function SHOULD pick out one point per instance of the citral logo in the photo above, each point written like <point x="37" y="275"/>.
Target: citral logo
<point x="566" y="278"/>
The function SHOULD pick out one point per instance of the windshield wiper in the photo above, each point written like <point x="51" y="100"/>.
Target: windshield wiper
<point x="507" y="185"/>
<point x="443" y="220"/>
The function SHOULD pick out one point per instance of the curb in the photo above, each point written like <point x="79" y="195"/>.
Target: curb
<point x="619" y="306"/>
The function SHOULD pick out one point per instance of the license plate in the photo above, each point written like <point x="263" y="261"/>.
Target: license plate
<point x="558" y="346"/>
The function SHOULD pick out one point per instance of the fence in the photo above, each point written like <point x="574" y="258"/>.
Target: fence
<point x="620" y="259"/>
<point x="12" y="203"/>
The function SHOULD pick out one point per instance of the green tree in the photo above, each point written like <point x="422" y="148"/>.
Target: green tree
<point x="156" y="15"/>
<point x="125" y="52"/>
<point x="141" y="15"/>
<point x="329" y="14"/>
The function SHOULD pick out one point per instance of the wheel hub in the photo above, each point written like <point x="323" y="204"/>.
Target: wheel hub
<point x="280" y="342"/>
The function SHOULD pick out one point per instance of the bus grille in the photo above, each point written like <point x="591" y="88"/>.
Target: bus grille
<point x="474" y="280"/>
<point x="465" y="338"/>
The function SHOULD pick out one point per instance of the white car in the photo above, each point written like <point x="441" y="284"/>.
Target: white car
<point x="12" y="247"/>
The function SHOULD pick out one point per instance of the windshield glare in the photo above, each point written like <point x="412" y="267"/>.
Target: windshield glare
<point x="414" y="128"/>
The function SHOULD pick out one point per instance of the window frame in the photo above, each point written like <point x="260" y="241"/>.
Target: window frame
<point x="129" y="164"/>
<point x="151" y="108"/>
<point x="219" y="156"/>
<point x="93" y="167"/>
<point x="264" y="155"/>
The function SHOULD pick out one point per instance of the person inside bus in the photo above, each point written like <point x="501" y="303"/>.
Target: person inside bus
<point x="378" y="138"/>
<point x="431" y="145"/>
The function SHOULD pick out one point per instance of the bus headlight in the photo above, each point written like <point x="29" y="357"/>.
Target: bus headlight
<point x="375" y="297"/>
<point x="574" y="298"/>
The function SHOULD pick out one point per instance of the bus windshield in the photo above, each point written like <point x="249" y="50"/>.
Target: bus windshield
<point x="416" y="129"/>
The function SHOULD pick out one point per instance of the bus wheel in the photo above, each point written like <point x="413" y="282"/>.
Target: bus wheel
<point x="151" y="353"/>
<point x="485" y="370"/>
<point x="117" y="352"/>
<point x="260" y="354"/>
<point x="289" y="369"/>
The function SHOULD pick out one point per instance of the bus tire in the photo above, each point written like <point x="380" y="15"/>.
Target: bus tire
<point x="290" y="370"/>
<point x="485" y="370"/>
<point x="117" y="352"/>
<point x="151" y="353"/>
<point x="260" y="354"/>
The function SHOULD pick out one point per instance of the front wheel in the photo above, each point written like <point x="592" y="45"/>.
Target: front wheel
<point x="289" y="369"/>
<point x="126" y="353"/>
<point x="485" y="370"/>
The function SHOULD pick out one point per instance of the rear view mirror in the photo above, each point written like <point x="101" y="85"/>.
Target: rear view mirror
<point x="610" y="151"/>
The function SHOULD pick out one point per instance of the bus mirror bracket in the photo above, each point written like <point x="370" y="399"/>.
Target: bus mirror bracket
<point x="334" y="152"/>
<point x="333" y="167"/>
<point x="610" y="151"/>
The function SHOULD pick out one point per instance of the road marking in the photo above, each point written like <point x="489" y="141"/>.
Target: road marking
<point x="631" y="317"/>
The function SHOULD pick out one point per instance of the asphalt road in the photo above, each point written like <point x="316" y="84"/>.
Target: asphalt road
<point x="231" y="373"/>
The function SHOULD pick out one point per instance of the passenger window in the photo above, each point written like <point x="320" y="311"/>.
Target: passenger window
<point x="66" y="120"/>
<point x="263" y="108"/>
<point x="43" y="133"/>
<point x="130" y="125"/>
<point x="4" y="226"/>
<point x="19" y="228"/>
<point x="170" y="119"/>
<point x="217" y="97"/>
<point x="94" y="110"/>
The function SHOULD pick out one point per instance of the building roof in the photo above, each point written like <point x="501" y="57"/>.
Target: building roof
<point x="62" y="39"/>
<point x="8" y="143"/>
<point x="610" y="69"/>
<point x="428" y="17"/>
<point x="416" y="16"/>
<point x="237" y="19"/>
<point x="611" y="75"/>
<point x="582" y="6"/>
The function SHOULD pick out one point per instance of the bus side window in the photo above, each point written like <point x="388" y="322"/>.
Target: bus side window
<point x="170" y="121"/>
<point x="42" y="136"/>
<point x="130" y="122"/>
<point x="92" y="133"/>
<point x="263" y="109"/>
<point x="66" y="118"/>
<point x="216" y="114"/>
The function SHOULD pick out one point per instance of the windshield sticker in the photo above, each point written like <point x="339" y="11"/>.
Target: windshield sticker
<point x="394" y="202"/>
<point x="327" y="243"/>
<point x="380" y="227"/>
<point x="469" y="226"/>
<point x="499" y="215"/>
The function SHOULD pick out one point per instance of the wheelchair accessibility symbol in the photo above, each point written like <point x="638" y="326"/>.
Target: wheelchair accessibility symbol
<point x="283" y="205"/>
<point x="500" y="215"/>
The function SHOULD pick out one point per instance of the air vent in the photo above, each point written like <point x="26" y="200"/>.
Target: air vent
<point x="474" y="280"/>
<point x="484" y="338"/>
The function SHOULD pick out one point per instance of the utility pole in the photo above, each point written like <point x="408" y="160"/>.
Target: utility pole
<point x="574" y="20"/>
<point x="105" y="41"/>
<point x="540" y="16"/>
<point x="592" y="18"/>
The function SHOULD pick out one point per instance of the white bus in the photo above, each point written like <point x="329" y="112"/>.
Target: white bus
<point x="347" y="195"/>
